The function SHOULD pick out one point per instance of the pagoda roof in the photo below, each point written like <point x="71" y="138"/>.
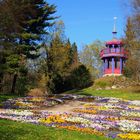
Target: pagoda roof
<point x="114" y="42"/>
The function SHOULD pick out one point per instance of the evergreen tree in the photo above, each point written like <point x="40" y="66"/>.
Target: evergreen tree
<point x="130" y="37"/>
<point x="58" y="65"/>
<point x="21" y="32"/>
<point x="68" y="53"/>
<point x="74" y="55"/>
<point x="132" y="68"/>
<point x="80" y="77"/>
<point x="61" y="66"/>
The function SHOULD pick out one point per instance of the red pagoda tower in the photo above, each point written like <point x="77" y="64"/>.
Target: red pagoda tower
<point x="113" y="56"/>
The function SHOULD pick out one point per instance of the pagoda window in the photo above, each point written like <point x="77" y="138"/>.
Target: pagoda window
<point x="122" y="63"/>
<point x="119" y="46"/>
<point x="113" y="46"/>
<point x="107" y="46"/>
<point x="116" y="63"/>
<point x="109" y="63"/>
<point x="116" y="48"/>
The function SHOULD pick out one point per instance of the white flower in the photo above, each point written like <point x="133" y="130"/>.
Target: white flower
<point x="128" y="126"/>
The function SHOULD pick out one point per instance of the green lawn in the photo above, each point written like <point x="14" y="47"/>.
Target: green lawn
<point x="120" y="93"/>
<point x="10" y="130"/>
<point x="5" y="97"/>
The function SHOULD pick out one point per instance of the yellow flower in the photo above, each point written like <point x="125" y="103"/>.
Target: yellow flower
<point x="85" y="111"/>
<point x="53" y="119"/>
<point x="85" y="130"/>
<point x="130" y="136"/>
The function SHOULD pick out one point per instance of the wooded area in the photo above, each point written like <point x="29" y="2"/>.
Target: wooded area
<point x="35" y="52"/>
<point x="132" y="42"/>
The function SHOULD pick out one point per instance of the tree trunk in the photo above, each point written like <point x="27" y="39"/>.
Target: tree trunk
<point x="1" y="79"/>
<point x="14" y="83"/>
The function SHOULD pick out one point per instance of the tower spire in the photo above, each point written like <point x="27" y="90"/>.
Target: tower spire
<point x="114" y="28"/>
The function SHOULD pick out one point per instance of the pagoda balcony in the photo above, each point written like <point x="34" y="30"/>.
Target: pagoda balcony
<point x="109" y="71"/>
<point x="108" y="52"/>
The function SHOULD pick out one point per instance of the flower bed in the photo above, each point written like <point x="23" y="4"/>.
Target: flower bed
<point x="34" y="102"/>
<point x="110" y="117"/>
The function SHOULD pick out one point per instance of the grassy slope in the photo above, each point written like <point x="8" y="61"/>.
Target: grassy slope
<point x="10" y="130"/>
<point x="123" y="93"/>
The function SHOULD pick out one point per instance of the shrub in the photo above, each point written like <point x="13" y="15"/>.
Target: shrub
<point x="101" y="84"/>
<point x="36" y="92"/>
<point x="21" y="86"/>
<point x="80" y="77"/>
<point x="104" y="82"/>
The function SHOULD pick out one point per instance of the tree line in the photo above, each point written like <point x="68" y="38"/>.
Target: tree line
<point x="132" y="41"/>
<point x="34" y="51"/>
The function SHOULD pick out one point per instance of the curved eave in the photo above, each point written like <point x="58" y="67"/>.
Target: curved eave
<point x="113" y="55"/>
<point x="114" y="42"/>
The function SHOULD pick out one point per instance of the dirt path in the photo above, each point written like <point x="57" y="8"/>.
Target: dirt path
<point x="66" y="107"/>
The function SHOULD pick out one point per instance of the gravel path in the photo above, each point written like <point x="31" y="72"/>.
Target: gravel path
<point x="66" y="107"/>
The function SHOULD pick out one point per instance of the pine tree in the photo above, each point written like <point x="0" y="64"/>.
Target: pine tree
<point x="68" y="57"/>
<point x="132" y="68"/>
<point x="22" y="31"/>
<point x="130" y="35"/>
<point x="74" y="54"/>
<point x="80" y="77"/>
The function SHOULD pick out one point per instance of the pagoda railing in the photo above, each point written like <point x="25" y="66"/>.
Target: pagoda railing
<point x="107" y="52"/>
<point x="109" y="71"/>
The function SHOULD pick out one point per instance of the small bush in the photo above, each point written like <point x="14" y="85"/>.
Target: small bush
<point x="80" y="77"/>
<point x="36" y="92"/>
<point x="101" y="84"/>
<point x="104" y="82"/>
